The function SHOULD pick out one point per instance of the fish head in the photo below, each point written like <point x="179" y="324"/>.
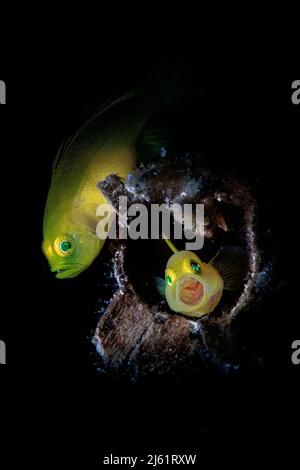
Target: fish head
<point x="70" y="250"/>
<point x="184" y="281"/>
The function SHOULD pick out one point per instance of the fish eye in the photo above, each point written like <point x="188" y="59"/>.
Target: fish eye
<point x="195" y="266"/>
<point x="169" y="280"/>
<point x="63" y="246"/>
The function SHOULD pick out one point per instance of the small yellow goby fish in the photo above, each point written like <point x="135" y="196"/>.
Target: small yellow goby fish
<point x="195" y="288"/>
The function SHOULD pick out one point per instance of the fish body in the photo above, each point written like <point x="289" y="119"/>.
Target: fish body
<point x="195" y="288"/>
<point x="104" y="145"/>
<point x="108" y="143"/>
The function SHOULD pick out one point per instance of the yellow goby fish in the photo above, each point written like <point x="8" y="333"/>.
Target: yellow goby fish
<point x="195" y="288"/>
<point x="105" y="145"/>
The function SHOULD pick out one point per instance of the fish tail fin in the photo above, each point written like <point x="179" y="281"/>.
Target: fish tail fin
<point x="160" y="285"/>
<point x="232" y="264"/>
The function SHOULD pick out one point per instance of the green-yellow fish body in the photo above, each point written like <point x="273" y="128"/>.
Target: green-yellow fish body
<point x="104" y="145"/>
<point x="107" y="144"/>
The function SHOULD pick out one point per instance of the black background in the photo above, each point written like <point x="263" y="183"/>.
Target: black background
<point x="53" y="403"/>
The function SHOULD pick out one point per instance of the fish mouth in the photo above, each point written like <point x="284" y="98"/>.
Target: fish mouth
<point x="190" y="291"/>
<point x="67" y="272"/>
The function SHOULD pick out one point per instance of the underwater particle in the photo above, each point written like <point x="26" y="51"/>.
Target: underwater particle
<point x="97" y="343"/>
<point x="195" y="327"/>
<point x="163" y="152"/>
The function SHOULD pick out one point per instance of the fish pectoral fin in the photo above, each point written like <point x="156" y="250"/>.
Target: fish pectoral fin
<point x="86" y="216"/>
<point x="155" y="138"/>
<point x="232" y="264"/>
<point x="160" y="285"/>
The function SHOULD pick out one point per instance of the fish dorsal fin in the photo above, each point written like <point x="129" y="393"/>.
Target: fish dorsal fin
<point x="232" y="264"/>
<point x="160" y="285"/>
<point x="63" y="149"/>
<point x="108" y="104"/>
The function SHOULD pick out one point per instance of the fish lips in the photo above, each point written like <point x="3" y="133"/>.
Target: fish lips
<point x="67" y="272"/>
<point x="190" y="291"/>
